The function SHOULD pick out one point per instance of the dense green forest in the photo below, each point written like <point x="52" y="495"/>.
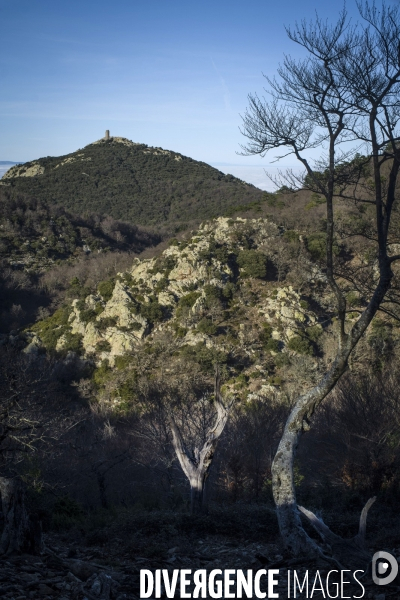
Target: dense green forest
<point x="132" y="182"/>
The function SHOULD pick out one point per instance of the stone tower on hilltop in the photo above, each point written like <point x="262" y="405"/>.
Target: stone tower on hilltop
<point x="107" y="136"/>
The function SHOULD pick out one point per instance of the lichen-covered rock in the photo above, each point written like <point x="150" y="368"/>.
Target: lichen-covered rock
<point x="120" y="308"/>
<point x="167" y="299"/>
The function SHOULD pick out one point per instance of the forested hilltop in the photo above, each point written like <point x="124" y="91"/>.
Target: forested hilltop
<point x="132" y="182"/>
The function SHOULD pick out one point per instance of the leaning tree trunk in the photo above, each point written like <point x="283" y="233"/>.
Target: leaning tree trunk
<point x="21" y="533"/>
<point x="294" y="536"/>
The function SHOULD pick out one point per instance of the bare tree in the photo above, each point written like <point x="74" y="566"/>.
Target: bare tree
<point x="345" y="94"/>
<point x="184" y="412"/>
<point x="196" y="462"/>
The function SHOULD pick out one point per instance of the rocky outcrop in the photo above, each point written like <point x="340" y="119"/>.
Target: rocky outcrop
<point x="201" y="292"/>
<point x="27" y="170"/>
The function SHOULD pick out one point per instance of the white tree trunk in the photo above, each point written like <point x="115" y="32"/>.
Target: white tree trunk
<point x="197" y="466"/>
<point x="294" y="536"/>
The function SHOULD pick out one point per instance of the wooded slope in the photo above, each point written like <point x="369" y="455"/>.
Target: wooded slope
<point x="132" y="182"/>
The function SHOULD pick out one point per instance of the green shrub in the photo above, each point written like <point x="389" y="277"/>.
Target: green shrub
<point x="189" y="299"/>
<point x="316" y="245"/>
<point x="168" y="263"/>
<point x="207" y="358"/>
<point x="291" y="236"/>
<point x="74" y="282"/>
<point x="80" y="305"/>
<point x="134" y="307"/>
<point x="186" y="302"/>
<point x="300" y="345"/>
<point x="207" y="326"/>
<point x="353" y="299"/>
<point x="253" y="263"/>
<point x="152" y="311"/>
<point x="106" y="322"/>
<point x="272" y="345"/>
<point x="103" y="346"/>
<point x="121" y="362"/>
<point x="228" y="291"/>
<point x="128" y="279"/>
<point x="314" y="332"/>
<point x="127" y="390"/>
<point x="102" y="373"/>
<point x="77" y="290"/>
<point x="163" y="264"/>
<point x="268" y="342"/>
<point x="106" y="288"/>
<point x="215" y="251"/>
<point x="162" y="284"/>
<point x="88" y="315"/>
<point x="180" y="331"/>
<point x="73" y="342"/>
<point x="212" y="291"/>
<point x="266" y="333"/>
<point x="52" y="328"/>
<point x="241" y="381"/>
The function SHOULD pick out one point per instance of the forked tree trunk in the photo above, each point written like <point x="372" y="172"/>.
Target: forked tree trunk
<point x="21" y="533"/>
<point x="197" y="466"/>
<point x="294" y="536"/>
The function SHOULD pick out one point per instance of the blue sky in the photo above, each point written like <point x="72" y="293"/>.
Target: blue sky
<point x="167" y="73"/>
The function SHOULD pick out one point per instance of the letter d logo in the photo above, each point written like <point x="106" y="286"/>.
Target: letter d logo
<point x="380" y="566"/>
